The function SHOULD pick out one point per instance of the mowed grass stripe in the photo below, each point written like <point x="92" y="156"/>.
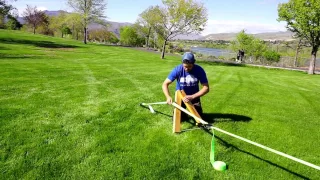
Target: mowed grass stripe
<point x="71" y="111"/>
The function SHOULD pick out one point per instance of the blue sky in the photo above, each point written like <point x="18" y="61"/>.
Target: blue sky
<point x="224" y="16"/>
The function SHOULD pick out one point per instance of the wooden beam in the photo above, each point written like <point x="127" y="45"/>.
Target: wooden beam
<point x="177" y="113"/>
<point x="190" y="107"/>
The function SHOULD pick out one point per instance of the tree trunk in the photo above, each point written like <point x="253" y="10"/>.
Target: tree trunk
<point x="85" y="22"/>
<point x="72" y="31"/>
<point x="163" y="49"/>
<point x="34" y="29"/>
<point x="85" y="35"/>
<point x="296" y="57"/>
<point x="297" y="54"/>
<point x="77" y="36"/>
<point x="148" y="37"/>
<point x="313" y="60"/>
<point x="2" y="21"/>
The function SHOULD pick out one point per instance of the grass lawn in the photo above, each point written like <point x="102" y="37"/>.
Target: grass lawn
<point x="71" y="111"/>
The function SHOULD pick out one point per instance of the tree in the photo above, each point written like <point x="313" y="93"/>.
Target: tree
<point x="178" y="17"/>
<point x="34" y="17"/>
<point x="259" y="47"/>
<point x="44" y="28"/>
<point x="143" y="31"/>
<point x="59" y="23"/>
<point x="303" y="18"/>
<point x="130" y="37"/>
<point x="252" y="46"/>
<point x="13" y="23"/>
<point x="297" y="46"/>
<point x="146" y="20"/>
<point x="5" y="9"/>
<point x="102" y="35"/>
<point x="112" y="38"/>
<point x="74" y="23"/>
<point x="301" y="43"/>
<point x="243" y="42"/>
<point x="90" y="11"/>
<point x="272" y="56"/>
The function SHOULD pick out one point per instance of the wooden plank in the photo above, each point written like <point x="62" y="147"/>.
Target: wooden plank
<point x="177" y="113"/>
<point x="190" y="107"/>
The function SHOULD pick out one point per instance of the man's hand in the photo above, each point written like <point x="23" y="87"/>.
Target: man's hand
<point x="165" y="90"/>
<point x="169" y="100"/>
<point x="188" y="98"/>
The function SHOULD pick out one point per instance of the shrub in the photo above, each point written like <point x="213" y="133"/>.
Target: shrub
<point x="271" y="56"/>
<point x="13" y="23"/>
<point x="212" y="57"/>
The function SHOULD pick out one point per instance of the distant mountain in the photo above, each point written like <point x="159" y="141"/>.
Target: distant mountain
<point x="188" y="37"/>
<point x="112" y="26"/>
<point x="21" y="20"/>
<point x="115" y="26"/>
<point x="220" y="36"/>
<point x="267" y="36"/>
<point x="283" y="36"/>
<point x="53" y="13"/>
<point x="48" y="13"/>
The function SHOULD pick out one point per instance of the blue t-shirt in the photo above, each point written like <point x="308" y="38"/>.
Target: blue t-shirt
<point x="188" y="81"/>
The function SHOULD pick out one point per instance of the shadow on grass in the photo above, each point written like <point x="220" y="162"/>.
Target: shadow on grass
<point x="216" y="118"/>
<point x="3" y="48"/>
<point x="219" y="117"/>
<point x="21" y="57"/>
<point x="44" y="44"/>
<point x="222" y="63"/>
<point x="158" y="112"/>
<point x="4" y="56"/>
<point x="228" y="145"/>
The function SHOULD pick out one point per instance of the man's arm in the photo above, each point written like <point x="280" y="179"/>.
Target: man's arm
<point x="165" y="89"/>
<point x="204" y="90"/>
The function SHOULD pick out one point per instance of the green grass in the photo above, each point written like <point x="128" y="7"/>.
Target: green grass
<point x="71" y="111"/>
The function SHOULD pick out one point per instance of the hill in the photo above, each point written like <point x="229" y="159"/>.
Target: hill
<point x="188" y="37"/>
<point x="267" y="36"/>
<point x="112" y="26"/>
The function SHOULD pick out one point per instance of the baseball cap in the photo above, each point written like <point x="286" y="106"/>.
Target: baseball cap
<point x="188" y="57"/>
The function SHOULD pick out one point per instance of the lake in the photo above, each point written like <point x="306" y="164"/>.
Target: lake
<point x="213" y="52"/>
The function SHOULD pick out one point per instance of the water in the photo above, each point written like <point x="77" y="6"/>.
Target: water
<point x="212" y="51"/>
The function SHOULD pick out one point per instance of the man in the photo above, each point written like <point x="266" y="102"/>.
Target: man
<point x="240" y="56"/>
<point x="188" y="76"/>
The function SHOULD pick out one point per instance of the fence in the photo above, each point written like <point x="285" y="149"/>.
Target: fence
<point x="285" y="61"/>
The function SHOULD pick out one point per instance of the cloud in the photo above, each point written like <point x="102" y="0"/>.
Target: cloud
<point x="215" y="26"/>
<point x="41" y="8"/>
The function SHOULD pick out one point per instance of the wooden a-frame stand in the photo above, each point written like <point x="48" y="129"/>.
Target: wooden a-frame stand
<point x="179" y="95"/>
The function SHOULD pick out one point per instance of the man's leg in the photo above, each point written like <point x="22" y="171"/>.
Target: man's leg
<point x="197" y="105"/>
<point x="184" y="116"/>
